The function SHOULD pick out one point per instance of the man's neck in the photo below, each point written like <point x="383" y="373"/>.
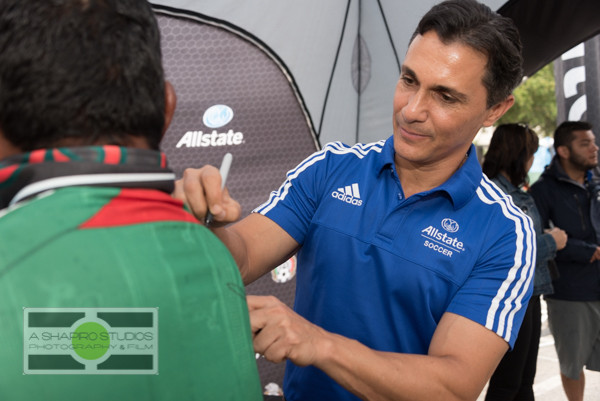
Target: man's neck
<point x="128" y="141"/>
<point x="7" y="148"/>
<point x="575" y="173"/>
<point x="416" y="179"/>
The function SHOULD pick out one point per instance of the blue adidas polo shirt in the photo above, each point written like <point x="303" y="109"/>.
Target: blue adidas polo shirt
<point x="382" y="269"/>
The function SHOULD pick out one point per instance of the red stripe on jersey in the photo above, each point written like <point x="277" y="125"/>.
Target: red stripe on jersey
<point x="138" y="206"/>
<point x="112" y="154"/>
<point x="6" y="172"/>
<point x="37" y="156"/>
<point x="58" y="156"/>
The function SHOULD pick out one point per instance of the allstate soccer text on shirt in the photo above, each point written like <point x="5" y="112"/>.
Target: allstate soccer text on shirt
<point x="441" y="242"/>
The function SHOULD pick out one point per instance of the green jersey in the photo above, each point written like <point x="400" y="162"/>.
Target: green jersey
<point x="88" y="250"/>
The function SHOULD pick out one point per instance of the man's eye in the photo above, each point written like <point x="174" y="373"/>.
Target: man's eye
<point x="447" y="98"/>
<point x="407" y="80"/>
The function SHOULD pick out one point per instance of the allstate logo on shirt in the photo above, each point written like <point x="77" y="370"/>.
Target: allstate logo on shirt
<point x="441" y="242"/>
<point x="450" y="225"/>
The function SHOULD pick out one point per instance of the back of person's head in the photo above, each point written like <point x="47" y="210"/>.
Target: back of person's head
<point x="477" y="26"/>
<point x="563" y="135"/>
<point x="80" y="72"/>
<point x="512" y="145"/>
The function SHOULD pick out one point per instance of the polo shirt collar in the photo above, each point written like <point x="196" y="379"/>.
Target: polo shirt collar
<point x="460" y="187"/>
<point x="387" y="156"/>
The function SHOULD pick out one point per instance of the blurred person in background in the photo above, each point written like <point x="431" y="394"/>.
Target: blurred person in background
<point x="507" y="161"/>
<point x="567" y="195"/>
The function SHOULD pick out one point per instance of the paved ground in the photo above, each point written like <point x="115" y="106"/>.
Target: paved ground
<point x="547" y="385"/>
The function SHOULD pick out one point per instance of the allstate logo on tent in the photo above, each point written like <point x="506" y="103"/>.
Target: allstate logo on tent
<point x="214" y="117"/>
<point x="217" y="116"/>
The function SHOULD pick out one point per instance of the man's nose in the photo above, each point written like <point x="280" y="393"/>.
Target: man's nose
<point x="416" y="108"/>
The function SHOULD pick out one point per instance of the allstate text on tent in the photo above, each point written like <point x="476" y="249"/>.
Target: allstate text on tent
<point x="195" y="139"/>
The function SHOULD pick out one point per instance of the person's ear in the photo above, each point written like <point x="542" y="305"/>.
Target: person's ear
<point x="496" y="111"/>
<point x="563" y="151"/>
<point x="170" y="104"/>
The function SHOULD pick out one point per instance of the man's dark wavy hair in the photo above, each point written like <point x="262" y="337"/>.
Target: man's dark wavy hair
<point x="563" y="135"/>
<point x="80" y="71"/>
<point x="477" y="26"/>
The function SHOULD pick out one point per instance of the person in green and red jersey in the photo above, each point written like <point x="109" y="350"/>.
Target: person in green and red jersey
<point x="88" y="226"/>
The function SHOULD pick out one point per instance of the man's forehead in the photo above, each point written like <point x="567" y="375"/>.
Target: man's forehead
<point x="583" y="135"/>
<point x="438" y="65"/>
<point x="446" y="54"/>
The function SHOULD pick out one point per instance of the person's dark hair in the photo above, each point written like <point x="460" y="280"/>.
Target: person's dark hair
<point x="563" y="135"/>
<point x="477" y="26"/>
<point x="512" y="145"/>
<point x="80" y="71"/>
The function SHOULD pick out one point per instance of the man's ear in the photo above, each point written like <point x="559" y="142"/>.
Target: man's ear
<point x="170" y="104"/>
<point x="496" y="111"/>
<point x="563" y="151"/>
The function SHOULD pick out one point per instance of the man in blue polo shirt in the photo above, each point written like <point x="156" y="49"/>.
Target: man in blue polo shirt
<point x="414" y="270"/>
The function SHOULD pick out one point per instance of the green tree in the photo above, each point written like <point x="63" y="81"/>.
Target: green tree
<point x="535" y="102"/>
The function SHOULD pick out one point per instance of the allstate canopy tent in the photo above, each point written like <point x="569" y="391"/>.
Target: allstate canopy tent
<point x="332" y="48"/>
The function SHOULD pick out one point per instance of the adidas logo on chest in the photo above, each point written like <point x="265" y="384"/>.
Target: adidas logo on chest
<point x="349" y="194"/>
